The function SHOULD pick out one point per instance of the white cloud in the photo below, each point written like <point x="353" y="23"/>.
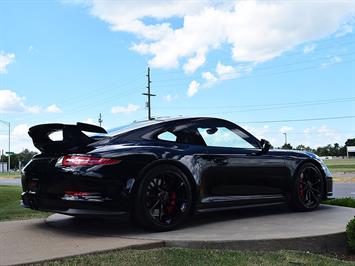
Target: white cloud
<point x="223" y="70"/>
<point x="344" y="30"/>
<point x="309" y="48"/>
<point x="89" y="121"/>
<point x="5" y="60"/>
<point x="170" y="97"/>
<point x="256" y="31"/>
<point x="321" y="136"/>
<point x="19" y="139"/>
<point x="34" y="109"/>
<point x="229" y="72"/>
<point x="130" y="108"/>
<point x="53" y="109"/>
<point x="286" y="129"/>
<point x="20" y="130"/>
<point x="259" y="132"/>
<point x="11" y="102"/>
<point x="209" y="77"/>
<point x="193" y="88"/>
<point x="331" y="61"/>
<point x="195" y="62"/>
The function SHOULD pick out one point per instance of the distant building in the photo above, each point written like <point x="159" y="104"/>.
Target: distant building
<point x="350" y="151"/>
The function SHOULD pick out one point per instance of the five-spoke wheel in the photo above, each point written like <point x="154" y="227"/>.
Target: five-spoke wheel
<point x="308" y="188"/>
<point x="164" y="198"/>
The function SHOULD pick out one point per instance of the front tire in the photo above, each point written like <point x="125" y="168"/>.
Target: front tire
<point x="164" y="198"/>
<point x="308" y="188"/>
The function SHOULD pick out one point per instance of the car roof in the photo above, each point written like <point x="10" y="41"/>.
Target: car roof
<point x="145" y="129"/>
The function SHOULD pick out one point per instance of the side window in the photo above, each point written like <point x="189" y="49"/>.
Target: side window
<point x="167" y="136"/>
<point x="224" y="137"/>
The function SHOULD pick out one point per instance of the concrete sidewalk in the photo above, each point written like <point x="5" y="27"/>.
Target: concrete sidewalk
<point x="32" y="240"/>
<point x="268" y="228"/>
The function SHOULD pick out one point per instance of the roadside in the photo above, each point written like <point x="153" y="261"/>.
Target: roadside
<point x="15" y="174"/>
<point x="10" y="181"/>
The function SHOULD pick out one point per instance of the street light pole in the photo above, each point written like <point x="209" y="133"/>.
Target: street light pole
<point x="9" y="160"/>
<point x="285" y="137"/>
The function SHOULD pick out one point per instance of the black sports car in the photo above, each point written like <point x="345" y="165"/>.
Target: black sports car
<point x="162" y="170"/>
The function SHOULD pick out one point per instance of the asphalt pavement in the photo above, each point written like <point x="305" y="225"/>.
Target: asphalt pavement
<point x="10" y="181"/>
<point x="343" y="190"/>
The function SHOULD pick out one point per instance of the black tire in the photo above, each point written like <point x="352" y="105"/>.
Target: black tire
<point x="308" y="188"/>
<point x="163" y="200"/>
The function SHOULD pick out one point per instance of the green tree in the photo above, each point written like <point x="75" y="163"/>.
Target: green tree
<point x="350" y="142"/>
<point x="287" y="146"/>
<point x="25" y="156"/>
<point x="302" y="147"/>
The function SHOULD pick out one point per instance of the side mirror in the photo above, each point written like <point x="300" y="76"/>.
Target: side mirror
<point x="265" y="146"/>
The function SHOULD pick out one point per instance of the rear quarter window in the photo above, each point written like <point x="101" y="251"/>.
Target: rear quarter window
<point x="167" y="136"/>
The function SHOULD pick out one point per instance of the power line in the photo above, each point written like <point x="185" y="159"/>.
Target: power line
<point x="265" y="74"/>
<point x="271" y="105"/>
<point x="300" y="120"/>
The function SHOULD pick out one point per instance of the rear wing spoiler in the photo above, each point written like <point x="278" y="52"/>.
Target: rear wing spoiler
<point x="74" y="140"/>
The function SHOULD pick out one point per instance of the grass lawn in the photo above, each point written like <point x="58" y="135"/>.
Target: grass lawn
<point x="341" y="165"/>
<point x="10" y="175"/>
<point x="182" y="256"/>
<point x="10" y="208"/>
<point x="345" y="202"/>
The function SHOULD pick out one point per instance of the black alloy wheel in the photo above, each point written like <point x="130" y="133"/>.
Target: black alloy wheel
<point x="308" y="188"/>
<point x="164" y="198"/>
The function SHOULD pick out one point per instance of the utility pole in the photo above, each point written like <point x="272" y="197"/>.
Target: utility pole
<point x="9" y="152"/>
<point x="148" y="94"/>
<point x="100" y="119"/>
<point x="285" y="137"/>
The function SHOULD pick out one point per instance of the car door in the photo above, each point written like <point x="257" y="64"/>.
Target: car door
<point x="238" y="170"/>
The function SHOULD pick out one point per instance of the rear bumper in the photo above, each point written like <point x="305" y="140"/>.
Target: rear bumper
<point x="33" y="201"/>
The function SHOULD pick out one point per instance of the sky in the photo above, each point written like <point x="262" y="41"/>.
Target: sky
<point x="272" y="67"/>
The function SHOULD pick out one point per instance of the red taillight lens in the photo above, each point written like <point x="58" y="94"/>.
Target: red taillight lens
<point x="85" y="160"/>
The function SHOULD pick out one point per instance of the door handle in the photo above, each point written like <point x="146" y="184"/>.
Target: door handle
<point x="220" y="161"/>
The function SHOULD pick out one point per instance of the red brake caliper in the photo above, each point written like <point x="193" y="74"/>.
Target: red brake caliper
<point x="172" y="203"/>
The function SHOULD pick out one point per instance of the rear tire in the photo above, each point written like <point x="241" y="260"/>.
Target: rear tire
<point x="308" y="188"/>
<point x="163" y="200"/>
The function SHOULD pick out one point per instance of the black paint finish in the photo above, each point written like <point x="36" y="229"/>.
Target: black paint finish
<point x="220" y="177"/>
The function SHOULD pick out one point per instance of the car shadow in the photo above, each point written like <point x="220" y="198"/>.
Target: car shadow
<point x="122" y="226"/>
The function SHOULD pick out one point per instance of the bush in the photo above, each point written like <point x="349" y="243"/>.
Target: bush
<point x="350" y="234"/>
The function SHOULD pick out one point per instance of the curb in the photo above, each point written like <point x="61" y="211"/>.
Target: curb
<point x="332" y="243"/>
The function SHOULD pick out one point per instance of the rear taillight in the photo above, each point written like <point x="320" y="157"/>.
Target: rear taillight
<point x="85" y="160"/>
